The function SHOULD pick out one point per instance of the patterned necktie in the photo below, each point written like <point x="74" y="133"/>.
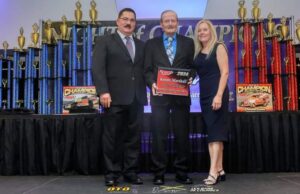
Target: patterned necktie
<point x="169" y="50"/>
<point x="129" y="47"/>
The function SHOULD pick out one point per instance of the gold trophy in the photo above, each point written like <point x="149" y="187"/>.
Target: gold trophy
<point x="35" y="35"/>
<point x="284" y="29"/>
<point x="63" y="28"/>
<point x="242" y="10"/>
<point x="21" y="39"/>
<point x="78" y="12"/>
<point x="93" y="12"/>
<point x="270" y="25"/>
<point x="297" y="30"/>
<point x="48" y="32"/>
<point x="255" y="10"/>
<point x="5" y="45"/>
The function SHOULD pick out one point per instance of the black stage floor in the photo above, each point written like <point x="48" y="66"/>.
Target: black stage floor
<point x="273" y="183"/>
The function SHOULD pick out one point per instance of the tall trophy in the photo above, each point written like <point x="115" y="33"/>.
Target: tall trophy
<point x="59" y="65"/>
<point x="46" y="70"/>
<point x="78" y="48"/>
<point x="91" y="25"/>
<point x="31" y="69"/>
<point x="6" y="72"/>
<point x="19" y="66"/>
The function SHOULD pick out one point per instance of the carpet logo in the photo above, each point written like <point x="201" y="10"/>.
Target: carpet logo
<point x="203" y="189"/>
<point x="118" y="189"/>
<point x="169" y="189"/>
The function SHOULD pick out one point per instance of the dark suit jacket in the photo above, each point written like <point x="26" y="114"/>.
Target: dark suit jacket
<point x="115" y="73"/>
<point x="155" y="56"/>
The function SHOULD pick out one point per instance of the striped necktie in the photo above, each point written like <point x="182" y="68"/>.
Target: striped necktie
<point x="129" y="47"/>
<point x="169" y="50"/>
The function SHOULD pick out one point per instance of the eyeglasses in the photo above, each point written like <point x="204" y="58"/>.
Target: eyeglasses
<point x="127" y="19"/>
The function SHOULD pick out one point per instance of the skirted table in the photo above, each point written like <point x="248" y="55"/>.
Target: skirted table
<point x="64" y="144"/>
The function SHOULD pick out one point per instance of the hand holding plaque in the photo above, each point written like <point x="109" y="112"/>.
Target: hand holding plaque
<point x="173" y="81"/>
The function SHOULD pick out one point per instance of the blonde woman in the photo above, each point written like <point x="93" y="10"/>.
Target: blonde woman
<point x="211" y="64"/>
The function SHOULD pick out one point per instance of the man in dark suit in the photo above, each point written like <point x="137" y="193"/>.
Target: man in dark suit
<point x="158" y="54"/>
<point x="119" y="80"/>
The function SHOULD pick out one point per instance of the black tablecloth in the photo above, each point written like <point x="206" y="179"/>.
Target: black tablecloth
<point x="63" y="144"/>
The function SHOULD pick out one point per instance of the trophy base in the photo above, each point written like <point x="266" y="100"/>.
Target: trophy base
<point x="34" y="47"/>
<point x="64" y="40"/>
<point x="286" y="40"/>
<point x="80" y="25"/>
<point x="94" y="24"/>
<point x="270" y="36"/>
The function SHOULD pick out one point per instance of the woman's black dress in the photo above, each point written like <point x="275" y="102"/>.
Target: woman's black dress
<point x="209" y="74"/>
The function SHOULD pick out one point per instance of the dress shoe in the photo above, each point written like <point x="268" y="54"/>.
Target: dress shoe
<point x="135" y="180"/>
<point x="184" y="180"/>
<point x="110" y="181"/>
<point x="222" y="175"/>
<point x="211" y="180"/>
<point x="159" y="180"/>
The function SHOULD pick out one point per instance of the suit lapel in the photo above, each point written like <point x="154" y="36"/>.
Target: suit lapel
<point x="138" y="49"/>
<point x="178" y="49"/>
<point x="121" y="43"/>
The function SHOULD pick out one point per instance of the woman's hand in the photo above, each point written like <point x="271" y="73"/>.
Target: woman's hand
<point x="217" y="102"/>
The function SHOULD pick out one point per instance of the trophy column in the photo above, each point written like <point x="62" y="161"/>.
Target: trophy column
<point x="5" y="75"/>
<point x="88" y="67"/>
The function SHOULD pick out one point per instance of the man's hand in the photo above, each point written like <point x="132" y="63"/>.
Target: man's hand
<point x="154" y="88"/>
<point x="190" y="81"/>
<point x="105" y="100"/>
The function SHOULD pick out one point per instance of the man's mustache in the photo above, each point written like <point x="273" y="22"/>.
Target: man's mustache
<point x="127" y="26"/>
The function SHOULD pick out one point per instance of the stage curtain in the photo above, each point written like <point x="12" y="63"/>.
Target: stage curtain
<point x="71" y="144"/>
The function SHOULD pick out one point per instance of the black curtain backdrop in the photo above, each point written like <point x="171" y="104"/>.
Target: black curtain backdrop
<point x="71" y="144"/>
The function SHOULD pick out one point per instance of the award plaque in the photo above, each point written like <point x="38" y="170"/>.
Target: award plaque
<point x="173" y="81"/>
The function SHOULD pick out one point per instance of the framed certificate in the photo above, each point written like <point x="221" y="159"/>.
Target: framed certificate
<point x="173" y="81"/>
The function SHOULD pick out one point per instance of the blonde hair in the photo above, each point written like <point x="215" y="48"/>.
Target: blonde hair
<point x="212" y="41"/>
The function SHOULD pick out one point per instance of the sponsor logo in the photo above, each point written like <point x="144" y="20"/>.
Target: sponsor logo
<point x="164" y="72"/>
<point x="203" y="189"/>
<point x="116" y="189"/>
<point x="168" y="189"/>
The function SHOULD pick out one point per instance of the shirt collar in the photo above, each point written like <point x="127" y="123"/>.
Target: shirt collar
<point x="123" y="36"/>
<point x="165" y="37"/>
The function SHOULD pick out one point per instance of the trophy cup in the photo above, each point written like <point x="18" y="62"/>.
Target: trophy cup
<point x="48" y="32"/>
<point x="242" y="10"/>
<point x="5" y="47"/>
<point x="298" y="30"/>
<point x="93" y="12"/>
<point x="21" y="39"/>
<point x="63" y="28"/>
<point x="270" y="25"/>
<point x="284" y="29"/>
<point x="255" y="10"/>
<point x="78" y="13"/>
<point x="35" y="35"/>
